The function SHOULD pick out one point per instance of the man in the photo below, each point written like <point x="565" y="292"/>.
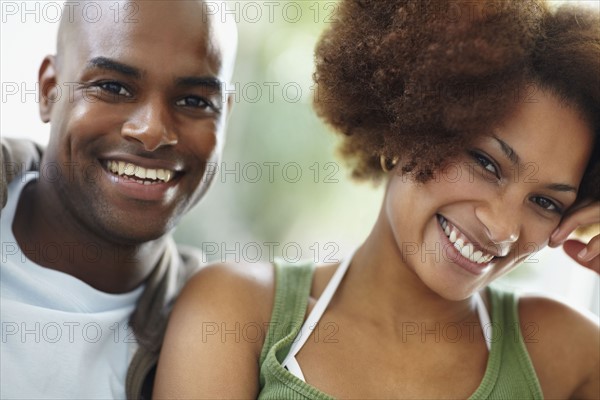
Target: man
<point x="88" y="267"/>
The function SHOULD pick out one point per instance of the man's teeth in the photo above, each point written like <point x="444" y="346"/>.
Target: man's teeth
<point x="460" y="243"/>
<point x="147" y="175"/>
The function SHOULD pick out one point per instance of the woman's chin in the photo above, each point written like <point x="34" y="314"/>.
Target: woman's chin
<point x="452" y="287"/>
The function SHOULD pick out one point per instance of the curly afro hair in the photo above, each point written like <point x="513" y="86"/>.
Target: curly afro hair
<point x="419" y="80"/>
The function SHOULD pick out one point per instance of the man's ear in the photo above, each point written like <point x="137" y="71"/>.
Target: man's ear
<point x="49" y="92"/>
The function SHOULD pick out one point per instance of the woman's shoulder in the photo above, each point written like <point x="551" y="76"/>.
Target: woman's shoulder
<point x="231" y="289"/>
<point x="558" y="324"/>
<point x="217" y="323"/>
<point x="563" y="344"/>
<point x="227" y="297"/>
<point x="246" y="291"/>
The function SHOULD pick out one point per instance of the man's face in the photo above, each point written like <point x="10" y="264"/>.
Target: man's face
<point x="139" y="112"/>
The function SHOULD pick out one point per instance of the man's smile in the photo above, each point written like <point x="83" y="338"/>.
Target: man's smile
<point x="142" y="178"/>
<point x="146" y="176"/>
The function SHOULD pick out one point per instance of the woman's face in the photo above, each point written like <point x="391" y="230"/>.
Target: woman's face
<point x="503" y="198"/>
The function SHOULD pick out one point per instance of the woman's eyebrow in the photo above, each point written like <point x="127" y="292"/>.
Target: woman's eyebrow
<point x="514" y="158"/>
<point x="561" y="187"/>
<point x="508" y="151"/>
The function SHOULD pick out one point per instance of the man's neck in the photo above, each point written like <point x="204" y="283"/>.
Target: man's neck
<point x="51" y="237"/>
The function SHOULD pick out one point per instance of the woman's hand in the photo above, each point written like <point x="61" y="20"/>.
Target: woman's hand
<point x="585" y="255"/>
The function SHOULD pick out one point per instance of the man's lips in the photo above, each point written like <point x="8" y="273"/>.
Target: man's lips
<point x="139" y="168"/>
<point x="150" y="161"/>
<point x="140" y="178"/>
<point x="139" y="173"/>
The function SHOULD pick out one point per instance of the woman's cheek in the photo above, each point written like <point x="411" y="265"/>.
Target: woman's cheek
<point x="526" y="251"/>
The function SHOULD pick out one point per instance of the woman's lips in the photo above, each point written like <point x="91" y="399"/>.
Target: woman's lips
<point x="460" y="250"/>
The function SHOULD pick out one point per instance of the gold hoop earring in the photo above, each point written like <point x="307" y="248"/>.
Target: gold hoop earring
<point x="385" y="165"/>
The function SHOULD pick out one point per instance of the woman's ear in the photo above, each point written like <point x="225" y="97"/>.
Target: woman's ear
<point x="49" y="92"/>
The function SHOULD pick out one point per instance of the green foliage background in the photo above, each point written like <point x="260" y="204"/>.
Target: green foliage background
<point x="273" y="122"/>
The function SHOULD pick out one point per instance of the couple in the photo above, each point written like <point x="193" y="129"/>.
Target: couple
<point x="415" y="91"/>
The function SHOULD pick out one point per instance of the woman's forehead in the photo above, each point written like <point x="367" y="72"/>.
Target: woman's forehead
<point x="549" y="134"/>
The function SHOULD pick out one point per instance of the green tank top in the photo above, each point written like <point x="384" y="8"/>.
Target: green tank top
<point x="509" y="373"/>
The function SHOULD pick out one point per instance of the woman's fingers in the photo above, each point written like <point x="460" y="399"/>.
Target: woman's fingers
<point x="587" y="215"/>
<point x="587" y="256"/>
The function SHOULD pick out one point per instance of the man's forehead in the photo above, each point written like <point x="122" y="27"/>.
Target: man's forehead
<point x="117" y="26"/>
<point x="132" y="14"/>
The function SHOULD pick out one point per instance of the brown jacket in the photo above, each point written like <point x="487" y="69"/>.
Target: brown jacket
<point x="16" y="157"/>
<point x="149" y="320"/>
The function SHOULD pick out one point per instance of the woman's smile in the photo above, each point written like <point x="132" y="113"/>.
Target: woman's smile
<point x="458" y="248"/>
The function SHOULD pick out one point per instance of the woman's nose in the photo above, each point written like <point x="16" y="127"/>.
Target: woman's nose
<point x="502" y="223"/>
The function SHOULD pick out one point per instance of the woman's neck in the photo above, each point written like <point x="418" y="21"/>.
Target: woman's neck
<point x="380" y="283"/>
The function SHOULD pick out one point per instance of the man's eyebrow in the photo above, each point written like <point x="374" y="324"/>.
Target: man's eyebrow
<point x="191" y="81"/>
<point x="508" y="151"/>
<point x="112" y="65"/>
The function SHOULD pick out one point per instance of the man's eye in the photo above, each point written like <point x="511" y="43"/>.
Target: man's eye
<point x="485" y="162"/>
<point x="114" y="88"/>
<point x="195" y="102"/>
<point x="546" y="204"/>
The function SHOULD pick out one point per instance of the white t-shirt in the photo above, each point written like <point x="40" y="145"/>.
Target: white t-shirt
<point x="61" y="338"/>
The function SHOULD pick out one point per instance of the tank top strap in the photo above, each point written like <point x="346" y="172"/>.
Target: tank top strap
<point x="510" y="372"/>
<point x="293" y="282"/>
<point x="517" y="349"/>
<point x="315" y="316"/>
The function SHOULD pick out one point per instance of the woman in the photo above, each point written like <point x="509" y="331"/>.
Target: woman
<point x="483" y="120"/>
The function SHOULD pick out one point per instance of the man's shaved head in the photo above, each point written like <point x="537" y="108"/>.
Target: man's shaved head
<point x="115" y="16"/>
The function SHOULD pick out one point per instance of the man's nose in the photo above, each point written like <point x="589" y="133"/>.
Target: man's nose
<point x="502" y="222"/>
<point x="151" y="125"/>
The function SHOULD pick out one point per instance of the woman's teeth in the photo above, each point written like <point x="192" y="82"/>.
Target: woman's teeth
<point x="460" y="243"/>
<point x="146" y="176"/>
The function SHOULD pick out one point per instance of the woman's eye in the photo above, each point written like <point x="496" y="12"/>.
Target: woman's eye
<point x="485" y="163"/>
<point x="114" y="88"/>
<point x="194" y="102"/>
<point x="546" y="204"/>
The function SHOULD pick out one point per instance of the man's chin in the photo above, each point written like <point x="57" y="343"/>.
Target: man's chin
<point x="134" y="234"/>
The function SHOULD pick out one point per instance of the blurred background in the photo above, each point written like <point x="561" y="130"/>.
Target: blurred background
<point x="281" y="191"/>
